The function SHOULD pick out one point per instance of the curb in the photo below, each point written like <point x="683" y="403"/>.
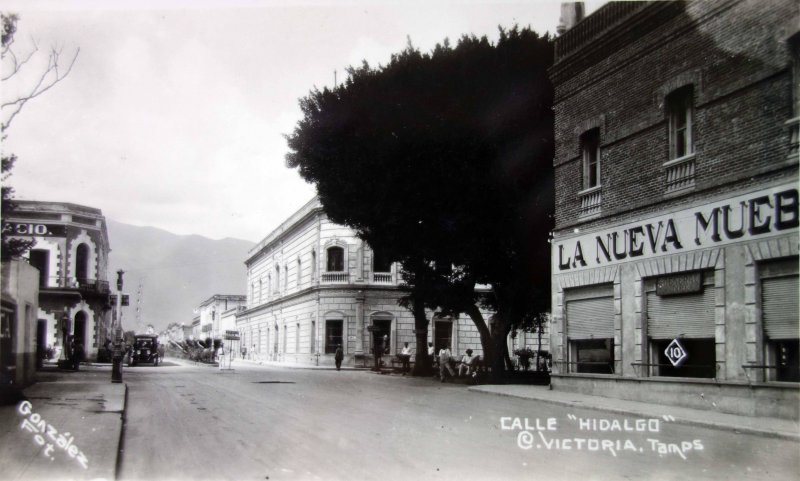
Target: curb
<point x="121" y="443"/>
<point x="688" y="422"/>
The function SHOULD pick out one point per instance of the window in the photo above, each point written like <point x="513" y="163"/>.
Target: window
<point x="590" y="150"/>
<point x="82" y="263"/>
<point x="680" y="108"/>
<point x="299" y="271"/>
<point x="380" y="262"/>
<point x="277" y="279"/>
<point x="335" y="259"/>
<point x="297" y="338"/>
<point x="285" y="278"/>
<point x="333" y="336"/>
<point x="313" y="264"/>
<point x="590" y="328"/>
<point x="260" y="291"/>
<point x="779" y="317"/>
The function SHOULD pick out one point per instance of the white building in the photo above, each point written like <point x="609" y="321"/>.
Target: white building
<point x="313" y="285"/>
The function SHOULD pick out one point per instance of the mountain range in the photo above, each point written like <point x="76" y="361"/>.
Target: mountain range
<point x="167" y="275"/>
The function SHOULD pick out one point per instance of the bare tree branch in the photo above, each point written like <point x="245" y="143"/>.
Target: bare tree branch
<point x="49" y="77"/>
<point x="17" y="65"/>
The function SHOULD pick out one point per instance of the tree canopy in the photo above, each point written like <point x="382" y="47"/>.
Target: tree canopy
<point x="445" y="159"/>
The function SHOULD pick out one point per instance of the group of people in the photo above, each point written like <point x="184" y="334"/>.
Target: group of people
<point x="467" y="366"/>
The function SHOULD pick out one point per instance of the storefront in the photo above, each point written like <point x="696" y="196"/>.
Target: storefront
<point x="693" y="306"/>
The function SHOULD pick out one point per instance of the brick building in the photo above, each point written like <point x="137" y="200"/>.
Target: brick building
<point x="675" y="251"/>
<point x="312" y="284"/>
<point x="71" y="254"/>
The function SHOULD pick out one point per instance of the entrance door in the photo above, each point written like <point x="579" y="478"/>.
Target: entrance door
<point x="41" y="341"/>
<point x="7" y="358"/>
<point x="80" y="330"/>
<point x="381" y="327"/>
<point x="444" y="335"/>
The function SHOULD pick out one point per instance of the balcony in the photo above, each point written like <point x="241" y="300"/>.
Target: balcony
<point x="680" y="174"/>
<point x="94" y="286"/>
<point x="591" y="200"/>
<point x="382" y="277"/>
<point x="335" y="278"/>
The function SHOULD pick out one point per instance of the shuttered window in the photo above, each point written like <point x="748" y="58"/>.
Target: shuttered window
<point x="590" y="312"/>
<point x="779" y="308"/>
<point x="685" y="315"/>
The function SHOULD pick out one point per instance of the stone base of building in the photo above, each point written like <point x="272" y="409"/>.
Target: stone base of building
<point x="756" y="399"/>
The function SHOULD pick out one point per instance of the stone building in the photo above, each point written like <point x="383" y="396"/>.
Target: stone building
<point x="71" y="254"/>
<point x="313" y="285"/>
<point x="675" y="251"/>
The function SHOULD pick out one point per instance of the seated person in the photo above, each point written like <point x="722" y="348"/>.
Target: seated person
<point x="468" y="363"/>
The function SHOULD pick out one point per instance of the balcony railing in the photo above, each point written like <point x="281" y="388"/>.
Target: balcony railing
<point x="680" y="173"/>
<point x="591" y="200"/>
<point x="86" y="285"/>
<point x="382" y="277"/>
<point x="335" y="277"/>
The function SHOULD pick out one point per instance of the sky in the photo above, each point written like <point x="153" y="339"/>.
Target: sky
<point x="174" y="113"/>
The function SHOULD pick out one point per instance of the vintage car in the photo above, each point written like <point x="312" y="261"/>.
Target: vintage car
<point x="145" y="348"/>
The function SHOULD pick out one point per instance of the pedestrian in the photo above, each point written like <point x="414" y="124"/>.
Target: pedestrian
<point x="444" y="363"/>
<point x="405" y="358"/>
<point x="221" y="356"/>
<point x="338" y="356"/>
<point x="77" y="354"/>
<point x="432" y="356"/>
<point x="468" y="364"/>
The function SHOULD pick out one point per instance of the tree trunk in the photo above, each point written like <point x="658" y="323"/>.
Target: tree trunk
<point x="489" y="345"/>
<point x="422" y="362"/>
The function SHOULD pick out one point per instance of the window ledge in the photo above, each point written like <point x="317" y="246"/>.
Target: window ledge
<point x="680" y="160"/>
<point x="590" y="190"/>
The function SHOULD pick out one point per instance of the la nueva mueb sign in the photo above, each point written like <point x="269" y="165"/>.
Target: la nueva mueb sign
<point x="755" y="215"/>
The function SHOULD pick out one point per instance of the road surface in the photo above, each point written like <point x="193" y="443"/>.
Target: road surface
<point x="196" y="422"/>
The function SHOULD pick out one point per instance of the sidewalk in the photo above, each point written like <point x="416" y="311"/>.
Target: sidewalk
<point x="83" y="412"/>
<point x="770" y="427"/>
<point x="297" y="366"/>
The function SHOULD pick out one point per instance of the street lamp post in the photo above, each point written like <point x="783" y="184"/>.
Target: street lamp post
<point x="116" y="368"/>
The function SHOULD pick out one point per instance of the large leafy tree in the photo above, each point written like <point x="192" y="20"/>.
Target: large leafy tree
<point x="443" y="160"/>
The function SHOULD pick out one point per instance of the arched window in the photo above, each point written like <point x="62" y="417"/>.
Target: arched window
<point x="286" y="278"/>
<point x="82" y="263"/>
<point x="277" y="278"/>
<point x="313" y="265"/>
<point x="335" y="259"/>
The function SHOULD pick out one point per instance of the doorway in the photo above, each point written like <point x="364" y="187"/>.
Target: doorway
<point x="380" y="328"/>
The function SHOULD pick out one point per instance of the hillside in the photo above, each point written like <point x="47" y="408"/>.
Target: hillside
<point x="176" y="272"/>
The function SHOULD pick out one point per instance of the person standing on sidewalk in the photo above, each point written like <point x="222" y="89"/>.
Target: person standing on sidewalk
<point x="444" y="363"/>
<point x="405" y="358"/>
<point x="338" y="357"/>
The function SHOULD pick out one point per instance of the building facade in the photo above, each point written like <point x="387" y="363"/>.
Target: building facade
<point x="211" y="314"/>
<point x="675" y="251"/>
<point x="19" y="355"/>
<point x="71" y="254"/>
<point x="312" y="285"/>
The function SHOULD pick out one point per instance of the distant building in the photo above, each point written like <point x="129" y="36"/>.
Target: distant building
<point x="71" y="254"/>
<point x="313" y="285"/>
<point x="675" y="250"/>
<point x="211" y="311"/>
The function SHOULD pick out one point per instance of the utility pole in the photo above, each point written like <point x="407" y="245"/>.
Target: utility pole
<point x="116" y="369"/>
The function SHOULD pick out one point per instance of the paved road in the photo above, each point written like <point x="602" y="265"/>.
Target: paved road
<point x="195" y="422"/>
